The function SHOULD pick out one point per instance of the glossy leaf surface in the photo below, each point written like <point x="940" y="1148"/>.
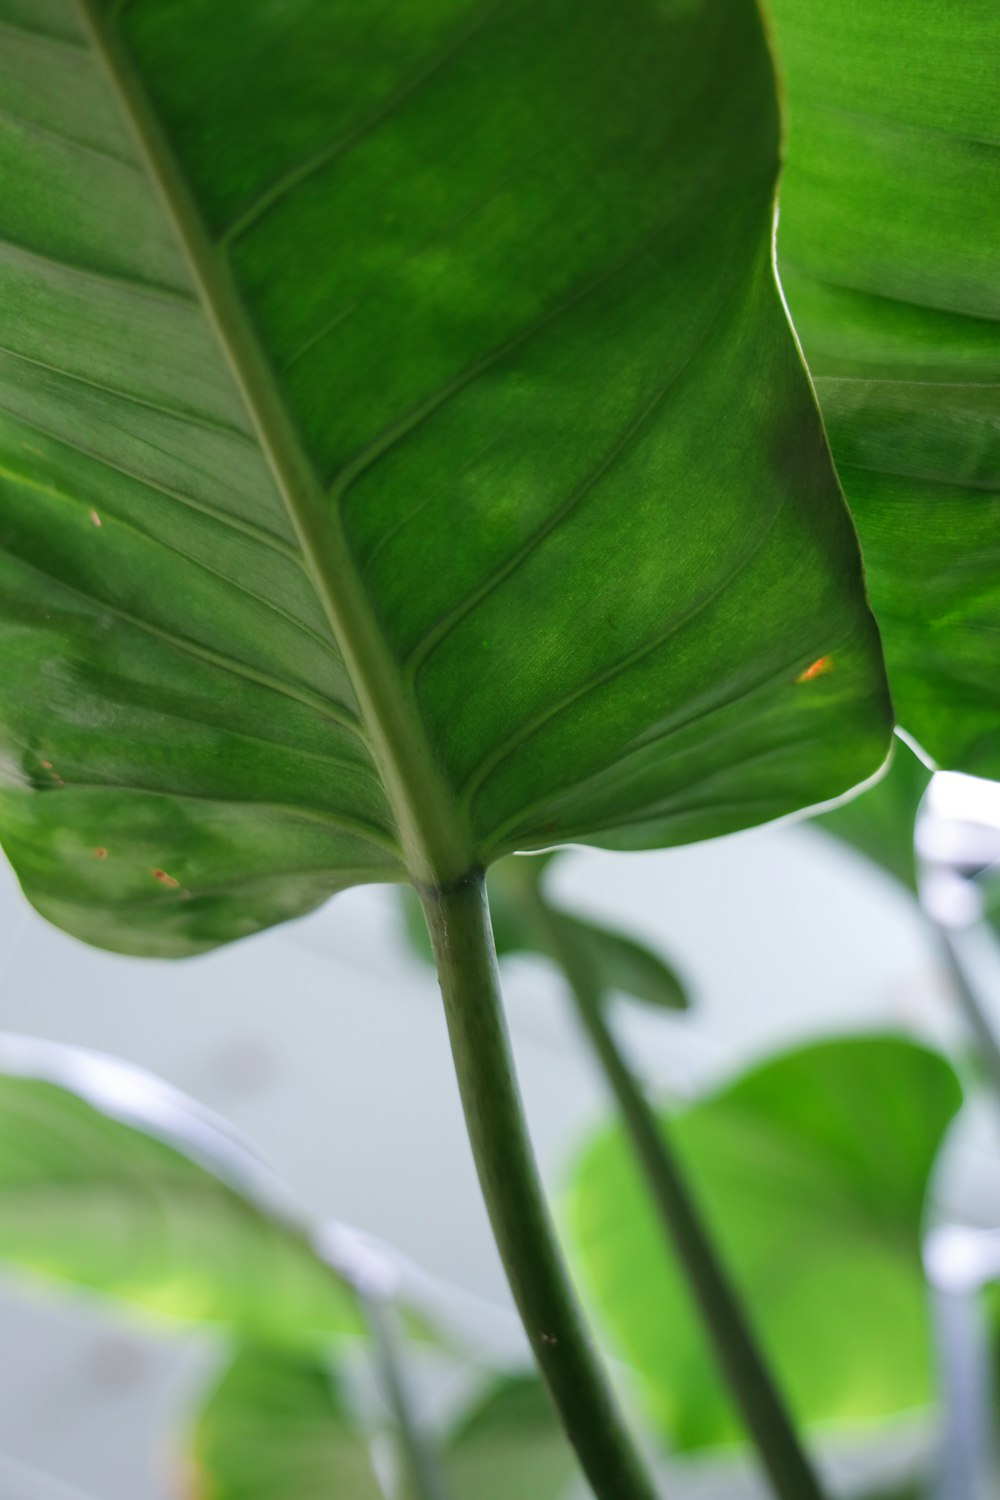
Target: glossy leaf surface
<point x="90" y="1200"/>
<point x="405" y="458"/>
<point x="623" y="964"/>
<point x="510" y="1444"/>
<point x="891" y="263"/>
<point x="881" y="822"/>
<point x="812" y="1172"/>
<point x="278" y="1428"/>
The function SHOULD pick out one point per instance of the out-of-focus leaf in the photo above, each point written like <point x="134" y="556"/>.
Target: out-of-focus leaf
<point x="90" y="1200"/>
<point x="812" y="1171"/>
<point x="626" y="966"/>
<point x="622" y="963"/>
<point x="277" y="1427"/>
<point x="890" y="258"/>
<point x="880" y="823"/>
<point x="510" y="1446"/>
<point x="404" y="455"/>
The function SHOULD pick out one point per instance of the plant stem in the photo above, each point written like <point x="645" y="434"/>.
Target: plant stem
<point x="424" y="1475"/>
<point x="743" y="1363"/>
<point x="463" y="947"/>
<point x="977" y="1020"/>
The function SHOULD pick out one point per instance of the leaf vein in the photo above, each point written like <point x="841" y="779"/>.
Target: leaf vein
<point x="327" y="707"/>
<point x="451" y="619"/>
<point x="489" y="765"/>
<point x="224" y="518"/>
<point x="295" y="175"/>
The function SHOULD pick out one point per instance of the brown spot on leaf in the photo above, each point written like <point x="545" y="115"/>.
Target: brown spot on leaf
<point x="95" y="519"/>
<point x="101" y="853"/>
<point x="165" y="879"/>
<point x="46" y="765"/>
<point x="818" y="669"/>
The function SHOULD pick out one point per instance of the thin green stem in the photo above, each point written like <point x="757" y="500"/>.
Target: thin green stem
<point x="463" y="947"/>
<point x="744" y="1366"/>
<point x="424" y="1476"/>
<point x="976" y="1018"/>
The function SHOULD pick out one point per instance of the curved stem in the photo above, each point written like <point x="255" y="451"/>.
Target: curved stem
<point x="424" y="1475"/>
<point x="463" y="948"/>
<point x="743" y="1363"/>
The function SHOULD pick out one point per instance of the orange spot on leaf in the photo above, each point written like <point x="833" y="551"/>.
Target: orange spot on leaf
<point x="818" y="669"/>
<point x="165" y="879"/>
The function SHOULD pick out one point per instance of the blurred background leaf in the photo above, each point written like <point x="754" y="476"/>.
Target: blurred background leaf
<point x="880" y="823"/>
<point x="278" y="1427"/>
<point x="509" y="1445"/>
<point x="88" y="1199"/>
<point x="812" y="1169"/>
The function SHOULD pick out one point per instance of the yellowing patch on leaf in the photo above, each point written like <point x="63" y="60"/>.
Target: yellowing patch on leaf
<point x="819" y="668"/>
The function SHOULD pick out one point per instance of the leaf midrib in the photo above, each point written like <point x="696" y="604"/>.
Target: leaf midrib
<point x="436" y="843"/>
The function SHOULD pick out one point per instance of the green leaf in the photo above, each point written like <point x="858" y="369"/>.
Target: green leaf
<point x="404" y="458"/>
<point x="277" y="1427"/>
<point x="510" y="1445"/>
<point x="626" y="966"/>
<point x="623" y="964"/>
<point x="880" y="823"/>
<point x="812" y="1171"/>
<point x="88" y="1199"/>
<point x="889" y="256"/>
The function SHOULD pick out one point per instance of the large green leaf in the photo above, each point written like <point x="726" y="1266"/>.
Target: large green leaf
<point x="89" y="1199"/>
<point x="812" y="1171"/>
<point x="509" y="1445"/>
<point x="881" y="822"/>
<point x="277" y="1427"/>
<point x="405" y="458"/>
<point x="620" y="962"/>
<point x="891" y="262"/>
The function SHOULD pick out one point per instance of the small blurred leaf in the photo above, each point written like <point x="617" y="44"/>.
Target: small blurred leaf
<point x="624" y="964"/>
<point x="90" y="1200"/>
<point x="276" y="1427"/>
<point x="880" y="822"/>
<point x="510" y="1446"/>
<point x="812" y="1171"/>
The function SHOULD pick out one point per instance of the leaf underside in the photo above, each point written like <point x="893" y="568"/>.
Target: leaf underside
<point x="445" y="327"/>
<point x="890" y="258"/>
<point x="812" y="1171"/>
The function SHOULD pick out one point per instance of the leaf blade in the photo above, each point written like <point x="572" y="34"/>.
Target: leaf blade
<point x="101" y="1204"/>
<point x="890" y="270"/>
<point x="245" y="560"/>
<point x="812" y="1170"/>
<point x="277" y="1427"/>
